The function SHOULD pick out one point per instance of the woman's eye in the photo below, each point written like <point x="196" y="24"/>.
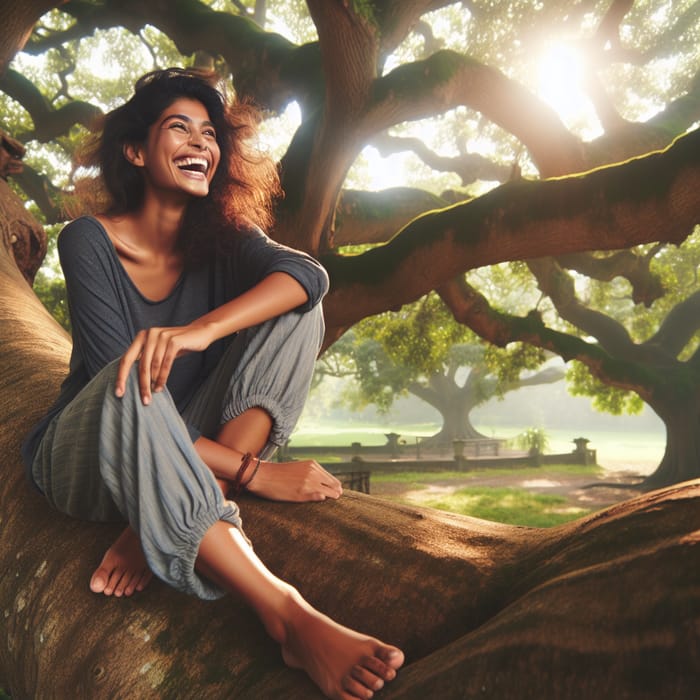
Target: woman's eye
<point x="178" y="125"/>
<point x="210" y="133"/>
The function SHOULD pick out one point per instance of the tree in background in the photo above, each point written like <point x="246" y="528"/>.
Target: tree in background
<point x="371" y="73"/>
<point x="422" y="351"/>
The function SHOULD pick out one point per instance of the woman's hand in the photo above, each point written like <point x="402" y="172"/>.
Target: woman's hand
<point x="157" y="349"/>
<point x="300" y="481"/>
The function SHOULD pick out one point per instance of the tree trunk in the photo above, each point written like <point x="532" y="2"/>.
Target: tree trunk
<point x="681" y="460"/>
<point x="455" y="421"/>
<point x="608" y="606"/>
<point x="453" y="402"/>
<point x="18" y="20"/>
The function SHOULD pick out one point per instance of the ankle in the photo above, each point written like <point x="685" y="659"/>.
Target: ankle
<point x="286" y="614"/>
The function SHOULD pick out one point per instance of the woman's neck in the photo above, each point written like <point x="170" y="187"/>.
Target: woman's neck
<point x="154" y="227"/>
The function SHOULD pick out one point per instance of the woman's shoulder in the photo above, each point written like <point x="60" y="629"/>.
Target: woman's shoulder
<point x="84" y="239"/>
<point x="82" y="230"/>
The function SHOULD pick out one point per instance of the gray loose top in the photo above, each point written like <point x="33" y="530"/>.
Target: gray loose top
<point x="107" y="310"/>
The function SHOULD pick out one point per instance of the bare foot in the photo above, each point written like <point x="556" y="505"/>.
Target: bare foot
<point x="123" y="569"/>
<point x="343" y="663"/>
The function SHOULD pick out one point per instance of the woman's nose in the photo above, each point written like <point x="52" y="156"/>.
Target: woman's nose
<point x="197" y="140"/>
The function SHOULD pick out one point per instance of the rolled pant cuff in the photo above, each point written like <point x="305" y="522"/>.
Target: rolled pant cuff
<point x="181" y="572"/>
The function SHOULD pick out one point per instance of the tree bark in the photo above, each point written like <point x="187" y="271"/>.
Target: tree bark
<point x="648" y="199"/>
<point x="18" y="20"/>
<point x="606" y="606"/>
<point x="681" y="417"/>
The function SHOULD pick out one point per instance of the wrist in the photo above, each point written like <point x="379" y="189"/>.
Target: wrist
<point x="246" y="473"/>
<point x="210" y="329"/>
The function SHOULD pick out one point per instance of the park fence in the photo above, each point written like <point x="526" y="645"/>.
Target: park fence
<point x="357" y="462"/>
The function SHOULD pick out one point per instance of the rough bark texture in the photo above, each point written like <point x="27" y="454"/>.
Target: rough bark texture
<point x="21" y="234"/>
<point x="18" y="20"/>
<point x="608" y="606"/>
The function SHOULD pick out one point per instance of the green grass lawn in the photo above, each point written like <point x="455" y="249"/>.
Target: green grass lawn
<point x="428" y="477"/>
<point x="510" y="505"/>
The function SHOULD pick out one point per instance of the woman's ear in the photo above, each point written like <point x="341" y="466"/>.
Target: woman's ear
<point x="134" y="154"/>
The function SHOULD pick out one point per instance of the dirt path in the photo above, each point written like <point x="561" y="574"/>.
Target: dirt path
<point x="579" y="491"/>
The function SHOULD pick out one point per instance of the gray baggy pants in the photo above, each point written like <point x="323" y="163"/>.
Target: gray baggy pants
<point x="106" y="458"/>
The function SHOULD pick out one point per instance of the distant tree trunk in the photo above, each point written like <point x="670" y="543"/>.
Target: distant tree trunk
<point x="681" y="460"/>
<point x="456" y="423"/>
<point x="454" y="403"/>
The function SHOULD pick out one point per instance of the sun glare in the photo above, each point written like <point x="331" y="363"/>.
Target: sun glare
<point x="560" y="84"/>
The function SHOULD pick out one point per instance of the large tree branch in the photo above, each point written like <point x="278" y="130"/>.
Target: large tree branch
<point x="448" y="79"/>
<point x="674" y="333"/>
<point x="634" y="267"/>
<point x="678" y="327"/>
<point x="266" y="67"/>
<point x="363" y="217"/>
<point x="49" y="122"/>
<point x="655" y="198"/>
<point x="40" y="189"/>
<point x="472" y="309"/>
<point x="559" y="287"/>
<point x="608" y="32"/>
<point x="397" y="18"/>
<point x="349" y="41"/>
<point x="469" y="166"/>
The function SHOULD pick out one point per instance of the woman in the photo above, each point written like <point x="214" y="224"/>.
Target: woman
<point x="194" y="339"/>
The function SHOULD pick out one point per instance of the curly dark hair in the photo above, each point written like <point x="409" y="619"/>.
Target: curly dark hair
<point x="242" y="191"/>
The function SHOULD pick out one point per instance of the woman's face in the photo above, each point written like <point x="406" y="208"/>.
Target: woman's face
<point x="181" y="153"/>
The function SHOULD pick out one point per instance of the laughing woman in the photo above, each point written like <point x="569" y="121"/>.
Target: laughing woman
<point x="194" y="340"/>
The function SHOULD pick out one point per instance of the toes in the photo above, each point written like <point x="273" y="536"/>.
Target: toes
<point x="113" y="586"/>
<point x="391" y="656"/>
<point x="356" y="689"/>
<point x="99" y="579"/>
<point x="126" y="585"/>
<point x="145" y="579"/>
<point x="376" y="668"/>
<point x="370" y="679"/>
<point x="137" y="582"/>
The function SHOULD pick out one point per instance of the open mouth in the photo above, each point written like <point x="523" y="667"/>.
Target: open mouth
<point x="193" y="164"/>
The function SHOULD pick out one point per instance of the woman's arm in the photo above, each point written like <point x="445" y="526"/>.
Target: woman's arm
<point x="101" y="327"/>
<point x="257" y="256"/>
<point x="157" y="348"/>
<point x="298" y="481"/>
<point x="275" y="295"/>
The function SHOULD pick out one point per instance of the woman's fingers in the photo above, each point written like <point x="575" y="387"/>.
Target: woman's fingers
<point x="152" y="349"/>
<point x="156" y="349"/>
<point x="173" y="343"/>
<point x="332" y="485"/>
<point x="150" y="355"/>
<point x="165" y="353"/>
<point x="127" y="362"/>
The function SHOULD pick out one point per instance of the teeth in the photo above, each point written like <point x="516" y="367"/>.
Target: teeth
<point x="201" y="164"/>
